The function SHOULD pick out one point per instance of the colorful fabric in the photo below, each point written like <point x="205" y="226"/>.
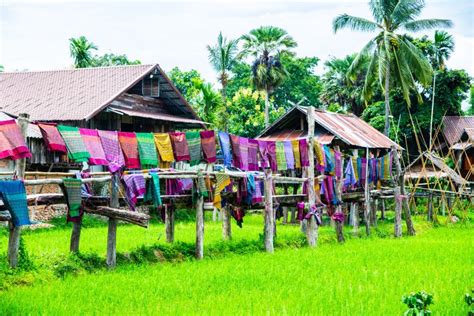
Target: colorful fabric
<point x="208" y="143"/>
<point x="258" y="197"/>
<point x="280" y="156"/>
<point x="135" y="187"/>
<point x="201" y="185"/>
<point x="222" y="180"/>
<point x="236" y="153"/>
<point x="128" y="142"/>
<point x="253" y="154"/>
<point x="349" y="175"/>
<point x="272" y="155"/>
<point x="12" y="141"/>
<point x="13" y="195"/>
<point x="194" y="145"/>
<point x="320" y="159"/>
<point x="224" y="143"/>
<point x="355" y="167"/>
<point x="338" y="164"/>
<point x="72" y="192"/>
<point x="251" y="187"/>
<point x="77" y="151"/>
<point x="295" y="144"/>
<point x="304" y="152"/>
<point x="263" y="153"/>
<point x="163" y="144"/>
<point x="91" y="140"/>
<point x="112" y="149"/>
<point x="244" y="153"/>
<point x="153" y="190"/>
<point x="385" y="167"/>
<point x="290" y="158"/>
<point x="52" y="138"/>
<point x="362" y="162"/>
<point x="238" y="214"/>
<point x="180" y="146"/>
<point x="147" y="150"/>
<point x="329" y="155"/>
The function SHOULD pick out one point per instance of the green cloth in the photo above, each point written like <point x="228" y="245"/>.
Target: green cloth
<point x="281" y="157"/>
<point x="194" y="145"/>
<point x="147" y="150"/>
<point x="153" y="190"/>
<point x="73" y="198"/>
<point x="75" y="145"/>
<point x="201" y="185"/>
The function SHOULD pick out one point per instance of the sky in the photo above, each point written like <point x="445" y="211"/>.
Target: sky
<point x="34" y="33"/>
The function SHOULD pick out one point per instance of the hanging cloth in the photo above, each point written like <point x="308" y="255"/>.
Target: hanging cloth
<point x="224" y="142"/>
<point x="338" y="164"/>
<point x="257" y="197"/>
<point x="208" y="143"/>
<point x="91" y="140"/>
<point x="147" y="150"/>
<point x="272" y="157"/>
<point x="222" y="180"/>
<point x="304" y="152"/>
<point x="263" y="153"/>
<point x="349" y="175"/>
<point x="300" y="210"/>
<point x="13" y="195"/>
<point x="295" y="144"/>
<point x="238" y="214"/>
<point x="153" y="190"/>
<point x="244" y="153"/>
<point x="250" y="188"/>
<point x="355" y="167"/>
<point x="362" y="162"/>
<point x="319" y="153"/>
<point x="72" y="191"/>
<point x="280" y="155"/>
<point x="75" y="145"/>
<point x="128" y="142"/>
<point x="194" y="145"/>
<point x="202" y="189"/>
<point x="236" y="155"/>
<point x="52" y="138"/>
<point x="329" y="166"/>
<point x="135" y="187"/>
<point x="112" y="149"/>
<point x="180" y="146"/>
<point x="165" y="149"/>
<point x="253" y="154"/>
<point x="12" y="142"/>
<point x="290" y="158"/>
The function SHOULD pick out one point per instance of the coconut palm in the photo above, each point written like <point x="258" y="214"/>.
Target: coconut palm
<point x="81" y="50"/>
<point x="222" y="57"/>
<point x="393" y="57"/>
<point x="266" y="44"/>
<point x="443" y="46"/>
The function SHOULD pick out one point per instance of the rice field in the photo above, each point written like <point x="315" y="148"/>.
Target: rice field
<point x="364" y="276"/>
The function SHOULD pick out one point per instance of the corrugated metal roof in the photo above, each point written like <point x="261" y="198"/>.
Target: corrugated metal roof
<point x="323" y="138"/>
<point x="156" y="116"/>
<point x="32" y="131"/>
<point x="455" y="126"/>
<point x="470" y="134"/>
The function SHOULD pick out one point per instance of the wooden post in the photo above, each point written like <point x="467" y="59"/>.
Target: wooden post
<point x="338" y="192"/>
<point x="112" y="225"/>
<point x="430" y="208"/>
<point x="373" y="212"/>
<point x="269" y="216"/>
<point x="367" y="195"/>
<point x="200" y="227"/>
<point x="285" y="215"/>
<point x="20" y="167"/>
<point x="398" y="212"/>
<point x="382" y="209"/>
<point x="75" y="236"/>
<point x="169" y="223"/>
<point x="401" y="183"/>
<point x="312" y="227"/>
<point x="226" y="224"/>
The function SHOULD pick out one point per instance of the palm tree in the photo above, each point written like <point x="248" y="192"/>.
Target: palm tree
<point x="443" y="46"/>
<point x="266" y="44"/>
<point x="81" y="50"/>
<point x="393" y="58"/>
<point x="222" y="57"/>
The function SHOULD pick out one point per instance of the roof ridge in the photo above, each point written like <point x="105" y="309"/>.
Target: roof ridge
<point x="78" y="69"/>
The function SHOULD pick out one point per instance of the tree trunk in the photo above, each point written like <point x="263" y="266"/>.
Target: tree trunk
<point x="267" y="109"/>
<point x="432" y="110"/>
<point x="224" y="101"/>
<point x="387" y="100"/>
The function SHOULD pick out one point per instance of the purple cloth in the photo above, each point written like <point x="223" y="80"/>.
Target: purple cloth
<point x="363" y="171"/>
<point x="349" y="176"/>
<point x="262" y="151"/>
<point x="257" y="197"/>
<point x="135" y="187"/>
<point x="271" y="150"/>
<point x="290" y="158"/>
<point x="112" y="149"/>
<point x="338" y="163"/>
<point x="300" y="209"/>
<point x="244" y="153"/>
<point x="304" y="152"/>
<point x="338" y="217"/>
<point x="253" y="154"/>
<point x="185" y="184"/>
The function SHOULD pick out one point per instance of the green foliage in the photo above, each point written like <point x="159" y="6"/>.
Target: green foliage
<point x="469" y="299"/>
<point x="418" y="303"/>
<point x="2" y="69"/>
<point x="113" y="60"/>
<point x="470" y="110"/>
<point x="25" y="263"/>
<point x="222" y="57"/>
<point x="77" y="263"/>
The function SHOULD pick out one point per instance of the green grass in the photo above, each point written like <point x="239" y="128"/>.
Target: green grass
<point x="364" y="276"/>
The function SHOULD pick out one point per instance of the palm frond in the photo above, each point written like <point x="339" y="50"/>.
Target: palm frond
<point x="416" y="61"/>
<point x="426" y="24"/>
<point x="355" y="66"/>
<point x="354" y="23"/>
<point x="382" y="9"/>
<point x="370" y="76"/>
<point x="406" y="11"/>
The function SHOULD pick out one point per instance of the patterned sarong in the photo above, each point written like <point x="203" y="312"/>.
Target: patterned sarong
<point x="147" y="150"/>
<point x="304" y="152"/>
<point x="128" y="142"/>
<point x="257" y="197"/>
<point x="163" y="144"/>
<point x="318" y="152"/>
<point x="296" y="153"/>
<point x="52" y="138"/>
<point x="222" y="180"/>
<point x="153" y="190"/>
<point x="355" y="167"/>
<point x="75" y="145"/>
<point x="13" y="195"/>
<point x="135" y="187"/>
<point x="91" y="140"/>
<point x="12" y="142"/>
<point x="280" y="156"/>
<point x="253" y="154"/>
<point x="72" y="192"/>
<point x="112" y="149"/>
<point x="272" y="156"/>
<point x="349" y="175"/>
<point x="244" y="153"/>
<point x="224" y="143"/>
<point x="180" y="146"/>
<point x="263" y="153"/>
<point x="208" y="143"/>
<point x="290" y="158"/>
<point x="236" y="153"/>
<point x="194" y="145"/>
<point x="329" y="155"/>
<point x="338" y="164"/>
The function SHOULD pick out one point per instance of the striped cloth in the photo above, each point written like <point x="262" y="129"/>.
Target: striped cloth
<point x="12" y="142"/>
<point x="244" y="153"/>
<point x="194" y="145"/>
<point x="385" y="167"/>
<point x="319" y="153"/>
<point x="338" y="164"/>
<point x="224" y="143"/>
<point x="153" y="190"/>
<point x="253" y="154"/>
<point x="208" y="143"/>
<point x="280" y="156"/>
<point x="304" y="152"/>
<point x="222" y="180"/>
<point x="290" y="158"/>
<point x="236" y="154"/>
<point x="75" y="145"/>
<point x="272" y="156"/>
<point x="52" y="138"/>
<point x="163" y="144"/>
<point x="296" y="153"/>
<point x="91" y="140"/>
<point x="72" y="192"/>
<point x="128" y="142"/>
<point x="112" y="149"/>
<point x="180" y="146"/>
<point x="263" y="153"/>
<point x="135" y="187"/>
<point x="147" y="150"/>
<point x="13" y="195"/>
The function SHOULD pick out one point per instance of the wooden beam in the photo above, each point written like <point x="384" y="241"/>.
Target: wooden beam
<point x="226" y="224"/>
<point x="269" y="215"/>
<point x="367" y="195"/>
<point x="169" y="223"/>
<point x="112" y="224"/>
<point x="338" y="192"/>
<point x="200" y="226"/>
<point x="312" y="227"/>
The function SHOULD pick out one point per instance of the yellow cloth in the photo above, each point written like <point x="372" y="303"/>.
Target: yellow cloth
<point x="222" y="180"/>
<point x="356" y="169"/>
<point x="295" y="144"/>
<point x="318" y="152"/>
<point x="163" y="144"/>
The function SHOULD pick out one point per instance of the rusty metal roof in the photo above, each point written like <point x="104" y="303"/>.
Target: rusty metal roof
<point x="321" y="137"/>
<point x="78" y="94"/>
<point x="156" y="116"/>
<point x="455" y="126"/>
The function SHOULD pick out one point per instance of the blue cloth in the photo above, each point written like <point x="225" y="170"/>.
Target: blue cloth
<point x="349" y="175"/>
<point x="250" y="188"/>
<point x="329" y="160"/>
<point x="13" y="195"/>
<point x="224" y="142"/>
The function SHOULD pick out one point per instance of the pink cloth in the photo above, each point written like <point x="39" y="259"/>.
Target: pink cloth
<point x="52" y="138"/>
<point x="267" y="151"/>
<point x="12" y="142"/>
<point x="91" y="140"/>
<point x="244" y="153"/>
<point x="112" y="149"/>
<point x="253" y="154"/>
<point x="236" y="157"/>
<point x="135" y="187"/>
<point x="304" y="152"/>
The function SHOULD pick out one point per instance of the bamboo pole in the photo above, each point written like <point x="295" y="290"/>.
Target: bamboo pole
<point x="269" y="216"/>
<point x="338" y="191"/>
<point x="169" y="223"/>
<point x="401" y="183"/>
<point x="312" y="227"/>
<point x="367" y="195"/>
<point x="226" y="224"/>
<point x="112" y="225"/>
<point x="200" y="227"/>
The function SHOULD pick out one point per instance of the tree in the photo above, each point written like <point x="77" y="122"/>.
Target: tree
<point x="81" y="51"/>
<point x="222" y="57"/>
<point x="470" y="110"/>
<point x="393" y="58"/>
<point x="2" y="69"/>
<point x="188" y="83"/>
<point x="112" y="60"/>
<point x="209" y="104"/>
<point x="267" y="44"/>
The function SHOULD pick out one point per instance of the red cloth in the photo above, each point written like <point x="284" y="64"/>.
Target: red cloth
<point x="236" y="157"/>
<point x="208" y="143"/>
<point x="93" y="145"/>
<point x="12" y="142"/>
<point x="180" y="146"/>
<point x="128" y="142"/>
<point x="52" y="138"/>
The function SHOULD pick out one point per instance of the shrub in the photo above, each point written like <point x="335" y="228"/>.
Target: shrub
<point x="469" y="299"/>
<point x="418" y="303"/>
